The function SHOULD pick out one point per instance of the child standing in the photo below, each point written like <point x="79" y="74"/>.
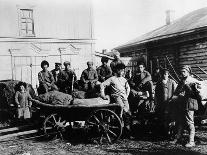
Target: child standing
<point x="164" y="91"/>
<point x="22" y="99"/>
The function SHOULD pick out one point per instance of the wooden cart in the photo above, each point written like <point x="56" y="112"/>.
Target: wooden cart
<point x="103" y="121"/>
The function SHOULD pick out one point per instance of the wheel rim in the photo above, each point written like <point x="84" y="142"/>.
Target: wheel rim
<point x="105" y="126"/>
<point x="54" y="126"/>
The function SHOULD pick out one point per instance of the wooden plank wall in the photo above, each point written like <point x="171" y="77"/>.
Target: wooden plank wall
<point x="194" y="54"/>
<point x="158" y="58"/>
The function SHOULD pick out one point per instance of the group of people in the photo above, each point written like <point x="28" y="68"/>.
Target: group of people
<point x="175" y="100"/>
<point x="124" y="91"/>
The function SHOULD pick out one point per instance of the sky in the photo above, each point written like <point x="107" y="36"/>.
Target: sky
<point x="119" y="21"/>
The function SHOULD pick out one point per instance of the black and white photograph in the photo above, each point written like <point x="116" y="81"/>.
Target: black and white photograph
<point x="108" y="77"/>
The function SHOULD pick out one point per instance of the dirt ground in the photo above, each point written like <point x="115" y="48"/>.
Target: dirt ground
<point x="146" y="145"/>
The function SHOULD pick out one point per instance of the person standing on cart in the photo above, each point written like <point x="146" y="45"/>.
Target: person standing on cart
<point x="67" y="78"/>
<point x="164" y="91"/>
<point x="56" y="72"/>
<point x="89" y="77"/>
<point x="119" y="92"/>
<point x="141" y="85"/>
<point x="116" y="61"/>
<point x="46" y="80"/>
<point x="104" y="71"/>
<point x="186" y="102"/>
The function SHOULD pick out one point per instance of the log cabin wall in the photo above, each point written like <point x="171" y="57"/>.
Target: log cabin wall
<point x="157" y="58"/>
<point x="194" y="54"/>
<point x="187" y="52"/>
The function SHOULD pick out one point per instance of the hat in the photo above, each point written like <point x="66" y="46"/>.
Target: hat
<point x="44" y="62"/>
<point x="58" y="64"/>
<point x="89" y="62"/>
<point x="116" y="53"/>
<point x="186" y="67"/>
<point x="66" y="63"/>
<point x="164" y="70"/>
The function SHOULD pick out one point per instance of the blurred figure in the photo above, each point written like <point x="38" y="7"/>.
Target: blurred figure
<point x="156" y="75"/>
<point x="128" y="75"/>
<point x="116" y="61"/>
<point x="104" y="71"/>
<point x="89" y="77"/>
<point x="46" y="80"/>
<point x="67" y="78"/>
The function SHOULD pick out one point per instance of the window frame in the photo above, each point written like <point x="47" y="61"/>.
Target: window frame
<point x="29" y="29"/>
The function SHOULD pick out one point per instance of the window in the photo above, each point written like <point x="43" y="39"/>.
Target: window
<point x="26" y="23"/>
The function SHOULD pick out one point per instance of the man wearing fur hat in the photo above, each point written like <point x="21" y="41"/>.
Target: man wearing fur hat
<point x="186" y="103"/>
<point x="46" y="80"/>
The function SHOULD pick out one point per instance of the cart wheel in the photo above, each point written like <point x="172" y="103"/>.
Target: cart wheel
<point x="104" y="126"/>
<point x="54" y="126"/>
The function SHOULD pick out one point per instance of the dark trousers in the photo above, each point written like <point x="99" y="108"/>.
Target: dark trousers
<point x="148" y="86"/>
<point x="44" y="88"/>
<point x="89" y="86"/>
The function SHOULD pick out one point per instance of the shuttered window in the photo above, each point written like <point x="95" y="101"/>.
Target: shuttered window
<point x="26" y="23"/>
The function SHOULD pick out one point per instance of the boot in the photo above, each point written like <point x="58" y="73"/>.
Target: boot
<point x="178" y="138"/>
<point x="191" y="142"/>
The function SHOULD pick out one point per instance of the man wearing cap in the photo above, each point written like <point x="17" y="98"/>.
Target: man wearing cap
<point x="186" y="103"/>
<point x="56" y="72"/>
<point x="46" y="80"/>
<point x="89" y="77"/>
<point x="67" y="78"/>
<point x="116" y="61"/>
<point x="104" y="71"/>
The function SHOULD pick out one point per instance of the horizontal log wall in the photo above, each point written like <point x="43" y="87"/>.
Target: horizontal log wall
<point x="194" y="54"/>
<point x="158" y="58"/>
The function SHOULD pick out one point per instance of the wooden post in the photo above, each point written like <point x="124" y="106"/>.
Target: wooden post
<point x="151" y="67"/>
<point x="12" y="69"/>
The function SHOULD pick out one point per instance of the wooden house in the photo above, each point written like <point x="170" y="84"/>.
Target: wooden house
<point x="181" y="42"/>
<point x="56" y="31"/>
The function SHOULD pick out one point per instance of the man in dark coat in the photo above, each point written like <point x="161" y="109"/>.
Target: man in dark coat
<point x="89" y="77"/>
<point x="141" y="89"/>
<point x="56" y="72"/>
<point x="67" y="78"/>
<point x="104" y="71"/>
<point x="142" y="81"/>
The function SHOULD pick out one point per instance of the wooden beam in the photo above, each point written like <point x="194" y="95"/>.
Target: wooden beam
<point x="15" y="128"/>
<point x="172" y="68"/>
<point x="18" y="134"/>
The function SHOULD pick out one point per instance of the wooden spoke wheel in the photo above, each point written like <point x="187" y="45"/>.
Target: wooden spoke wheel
<point x="54" y="126"/>
<point x="104" y="126"/>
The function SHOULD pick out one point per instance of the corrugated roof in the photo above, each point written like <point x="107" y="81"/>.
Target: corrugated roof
<point x="193" y="20"/>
